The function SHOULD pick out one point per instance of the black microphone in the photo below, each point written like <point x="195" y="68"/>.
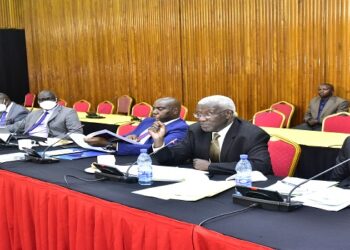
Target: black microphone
<point x="273" y="200"/>
<point x="111" y="173"/>
<point x="34" y="156"/>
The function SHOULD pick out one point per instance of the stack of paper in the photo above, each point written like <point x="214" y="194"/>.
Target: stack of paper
<point x="189" y="190"/>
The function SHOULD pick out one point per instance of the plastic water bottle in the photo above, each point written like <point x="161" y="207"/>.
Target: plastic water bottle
<point x="244" y="172"/>
<point x="144" y="163"/>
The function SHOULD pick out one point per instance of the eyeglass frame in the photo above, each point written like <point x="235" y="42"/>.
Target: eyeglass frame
<point x="209" y="115"/>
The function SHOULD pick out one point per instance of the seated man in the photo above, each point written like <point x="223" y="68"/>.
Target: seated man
<point x="10" y="112"/>
<point x="167" y="111"/>
<point x="215" y="143"/>
<point x="52" y="120"/>
<point x="321" y="106"/>
<point x="342" y="172"/>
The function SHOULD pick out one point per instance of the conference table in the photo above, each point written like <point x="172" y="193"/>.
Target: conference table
<point x="41" y="211"/>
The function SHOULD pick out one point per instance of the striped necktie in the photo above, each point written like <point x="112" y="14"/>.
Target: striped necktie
<point x="42" y="118"/>
<point x="3" y="118"/>
<point x="214" y="151"/>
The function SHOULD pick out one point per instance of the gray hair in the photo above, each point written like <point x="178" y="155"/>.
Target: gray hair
<point x="220" y="101"/>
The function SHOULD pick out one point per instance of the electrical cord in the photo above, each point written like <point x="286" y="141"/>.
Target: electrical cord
<point x="229" y="213"/>
<point x="82" y="179"/>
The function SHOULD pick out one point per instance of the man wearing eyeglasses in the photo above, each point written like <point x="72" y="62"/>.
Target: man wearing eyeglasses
<point x="233" y="136"/>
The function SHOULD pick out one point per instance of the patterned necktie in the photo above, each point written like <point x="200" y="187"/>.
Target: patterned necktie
<point x="214" y="151"/>
<point x="3" y="119"/>
<point x="42" y="118"/>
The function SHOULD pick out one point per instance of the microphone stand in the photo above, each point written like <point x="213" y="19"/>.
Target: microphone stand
<point x="44" y="160"/>
<point x="314" y="177"/>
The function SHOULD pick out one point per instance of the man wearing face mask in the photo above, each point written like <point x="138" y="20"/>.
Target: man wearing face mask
<point x="10" y="112"/>
<point x="52" y="120"/>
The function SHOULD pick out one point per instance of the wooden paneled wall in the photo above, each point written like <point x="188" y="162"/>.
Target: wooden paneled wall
<point x="255" y="51"/>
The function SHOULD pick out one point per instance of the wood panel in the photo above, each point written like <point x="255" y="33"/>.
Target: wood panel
<point x="257" y="52"/>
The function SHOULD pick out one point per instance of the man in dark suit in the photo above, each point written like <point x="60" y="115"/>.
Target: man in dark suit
<point x="165" y="110"/>
<point x="342" y="172"/>
<point x="321" y="106"/>
<point x="10" y="112"/>
<point x="52" y="120"/>
<point x="215" y="115"/>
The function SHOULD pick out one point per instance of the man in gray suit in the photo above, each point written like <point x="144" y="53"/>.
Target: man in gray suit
<point x="52" y="120"/>
<point x="321" y="106"/>
<point x="10" y="112"/>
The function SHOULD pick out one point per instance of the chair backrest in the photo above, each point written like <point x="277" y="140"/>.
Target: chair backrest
<point x="141" y="110"/>
<point x="29" y="100"/>
<point x="339" y="123"/>
<point x="284" y="156"/>
<point x="62" y="102"/>
<point x="287" y="109"/>
<point x="125" y="129"/>
<point x="124" y="103"/>
<point x="183" y="112"/>
<point x="82" y="106"/>
<point x="105" y="107"/>
<point x="269" y="118"/>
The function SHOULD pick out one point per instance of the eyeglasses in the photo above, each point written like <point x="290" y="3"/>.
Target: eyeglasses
<point x="207" y="115"/>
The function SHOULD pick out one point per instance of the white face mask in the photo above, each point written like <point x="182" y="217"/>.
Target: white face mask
<point x="3" y="107"/>
<point x="47" y="105"/>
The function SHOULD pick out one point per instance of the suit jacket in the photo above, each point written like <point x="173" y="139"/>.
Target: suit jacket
<point x="342" y="171"/>
<point x="242" y="138"/>
<point x="16" y="113"/>
<point x="334" y="105"/>
<point x="175" y="130"/>
<point x="62" y="121"/>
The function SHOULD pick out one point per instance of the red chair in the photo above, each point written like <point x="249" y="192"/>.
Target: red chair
<point x="269" y="118"/>
<point x="338" y="123"/>
<point x="124" y="105"/>
<point x="126" y="128"/>
<point x="62" y="102"/>
<point x="183" y="112"/>
<point x="82" y="106"/>
<point x="287" y="109"/>
<point x="105" y="107"/>
<point x="142" y="110"/>
<point x="29" y="100"/>
<point x="284" y="156"/>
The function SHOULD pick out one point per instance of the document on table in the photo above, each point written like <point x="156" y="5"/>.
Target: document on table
<point x="256" y="176"/>
<point x="330" y="199"/>
<point x="287" y="184"/>
<point x="79" y="139"/>
<point x="315" y="193"/>
<point x="166" y="173"/>
<point x="190" y="190"/>
<point x="12" y="157"/>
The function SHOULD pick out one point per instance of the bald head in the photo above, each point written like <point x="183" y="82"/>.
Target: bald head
<point x="166" y="109"/>
<point x="4" y="99"/>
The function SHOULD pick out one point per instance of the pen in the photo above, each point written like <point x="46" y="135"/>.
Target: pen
<point x="288" y="183"/>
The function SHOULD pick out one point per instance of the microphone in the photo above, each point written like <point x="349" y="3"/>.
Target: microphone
<point x="272" y="200"/>
<point x="32" y="155"/>
<point x="111" y="173"/>
<point x="314" y="177"/>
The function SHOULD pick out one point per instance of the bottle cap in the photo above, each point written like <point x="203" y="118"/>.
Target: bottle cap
<point x="243" y="156"/>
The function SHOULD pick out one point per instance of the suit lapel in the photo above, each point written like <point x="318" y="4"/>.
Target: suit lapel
<point x="329" y="104"/>
<point x="54" y="113"/>
<point x="229" y="139"/>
